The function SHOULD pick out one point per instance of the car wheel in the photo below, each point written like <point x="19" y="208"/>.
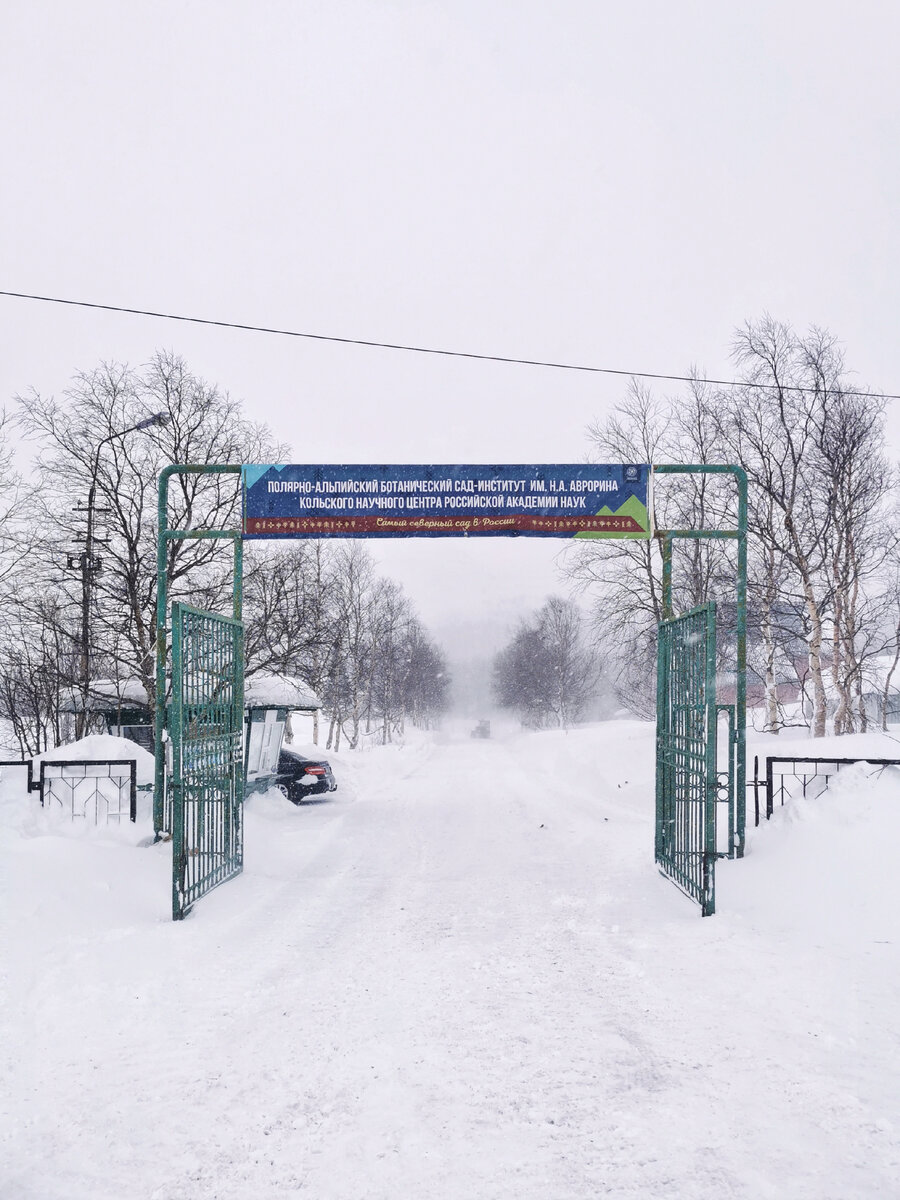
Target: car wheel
<point x="285" y="791"/>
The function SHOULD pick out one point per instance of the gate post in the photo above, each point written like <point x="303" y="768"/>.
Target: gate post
<point x="737" y="772"/>
<point x="162" y="821"/>
<point x="712" y="730"/>
<point x="738" y="535"/>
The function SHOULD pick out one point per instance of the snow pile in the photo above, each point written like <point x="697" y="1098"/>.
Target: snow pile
<point x="826" y="861"/>
<point x="874" y="744"/>
<point x="21" y="812"/>
<point x="100" y="747"/>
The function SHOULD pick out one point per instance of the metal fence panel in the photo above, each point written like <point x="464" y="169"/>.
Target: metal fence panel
<point x="686" y="778"/>
<point x="207" y="753"/>
<point x="104" y="789"/>
<point x="808" y="771"/>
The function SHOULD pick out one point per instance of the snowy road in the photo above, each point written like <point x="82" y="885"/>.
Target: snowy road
<point x="461" y="977"/>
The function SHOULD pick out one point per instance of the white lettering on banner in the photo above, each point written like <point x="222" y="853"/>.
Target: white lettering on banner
<point x="501" y="485"/>
<point x="465" y="502"/>
<point x="363" y="487"/>
<point x="593" y="485"/>
<point x="535" y="502"/>
<point x="419" y="496"/>
<point x="289" y="485"/>
<point x="325" y="502"/>
<point x="417" y="503"/>
<point x="344" y="485"/>
<point x="417" y="485"/>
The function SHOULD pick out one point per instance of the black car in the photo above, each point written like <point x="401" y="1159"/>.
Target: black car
<point x="299" y="777"/>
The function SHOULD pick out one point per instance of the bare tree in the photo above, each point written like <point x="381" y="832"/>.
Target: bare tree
<point x="572" y="663"/>
<point x="314" y="609"/>
<point x="800" y="439"/>
<point x="892" y="639"/>
<point x="351" y="665"/>
<point x="39" y="659"/>
<point x="390" y="615"/>
<point x="204" y="426"/>
<point x="425" y="682"/>
<point x="625" y="577"/>
<point x="548" y="673"/>
<point x="289" y="628"/>
<point x="519" y="674"/>
<point x="860" y="538"/>
<point x="818" y="541"/>
<point x="378" y="669"/>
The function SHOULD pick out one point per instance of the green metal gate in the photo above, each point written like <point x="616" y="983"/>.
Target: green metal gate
<point x="686" y="778"/>
<point x="206" y="730"/>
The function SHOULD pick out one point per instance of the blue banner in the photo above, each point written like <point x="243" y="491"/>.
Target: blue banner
<point x="583" y="500"/>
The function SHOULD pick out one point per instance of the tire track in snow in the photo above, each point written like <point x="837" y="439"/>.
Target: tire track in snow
<point x="445" y="994"/>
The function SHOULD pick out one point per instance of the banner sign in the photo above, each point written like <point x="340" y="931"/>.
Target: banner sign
<point x="581" y="500"/>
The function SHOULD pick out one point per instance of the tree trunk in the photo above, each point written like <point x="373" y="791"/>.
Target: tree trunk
<point x="885" y="698"/>
<point x="772" y="722"/>
<point x="820" y="699"/>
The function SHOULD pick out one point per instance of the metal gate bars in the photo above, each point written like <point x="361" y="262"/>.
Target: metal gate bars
<point x="206" y="730"/>
<point x="690" y="791"/>
<point x="686" y="779"/>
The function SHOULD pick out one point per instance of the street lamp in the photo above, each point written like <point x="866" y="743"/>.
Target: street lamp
<point x="90" y="565"/>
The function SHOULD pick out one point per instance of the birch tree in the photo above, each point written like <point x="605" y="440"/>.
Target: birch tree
<point x="84" y="453"/>
<point x="784" y="430"/>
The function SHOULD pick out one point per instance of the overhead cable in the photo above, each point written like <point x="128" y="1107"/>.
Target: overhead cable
<point x="410" y="349"/>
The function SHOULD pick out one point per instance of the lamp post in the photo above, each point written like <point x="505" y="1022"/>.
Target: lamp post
<point x="90" y="564"/>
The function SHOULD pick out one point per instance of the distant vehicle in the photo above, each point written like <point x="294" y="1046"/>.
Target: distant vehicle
<point x="482" y="729"/>
<point x="299" y="777"/>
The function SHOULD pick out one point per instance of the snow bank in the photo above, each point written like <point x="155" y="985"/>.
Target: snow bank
<point x="98" y="747"/>
<point x="854" y="745"/>
<point x="825" y="865"/>
<point x="22" y="814"/>
<point x="460" y="976"/>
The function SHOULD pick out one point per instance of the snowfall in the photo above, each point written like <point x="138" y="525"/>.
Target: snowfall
<point x="458" y="976"/>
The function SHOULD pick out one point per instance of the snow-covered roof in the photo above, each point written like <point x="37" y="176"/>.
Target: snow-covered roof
<point x="281" y="691"/>
<point x="106" y="694"/>
<point x="260" y="691"/>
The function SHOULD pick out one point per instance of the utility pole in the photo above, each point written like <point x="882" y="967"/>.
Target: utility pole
<point x="90" y="564"/>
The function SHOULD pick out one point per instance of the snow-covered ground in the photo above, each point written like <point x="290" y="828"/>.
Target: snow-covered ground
<point x="460" y="976"/>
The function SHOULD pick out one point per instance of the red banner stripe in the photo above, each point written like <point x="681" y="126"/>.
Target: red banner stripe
<point x="460" y="523"/>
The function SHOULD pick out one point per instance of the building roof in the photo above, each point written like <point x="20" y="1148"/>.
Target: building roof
<point x="279" y="691"/>
<point x="260" y="691"/>
<point x="106" y="695"/>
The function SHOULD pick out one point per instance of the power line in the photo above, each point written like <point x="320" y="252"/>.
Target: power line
<point x="348" y="341"/>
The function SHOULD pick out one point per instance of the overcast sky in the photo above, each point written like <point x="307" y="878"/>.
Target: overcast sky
<point x="611" y="184"/>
